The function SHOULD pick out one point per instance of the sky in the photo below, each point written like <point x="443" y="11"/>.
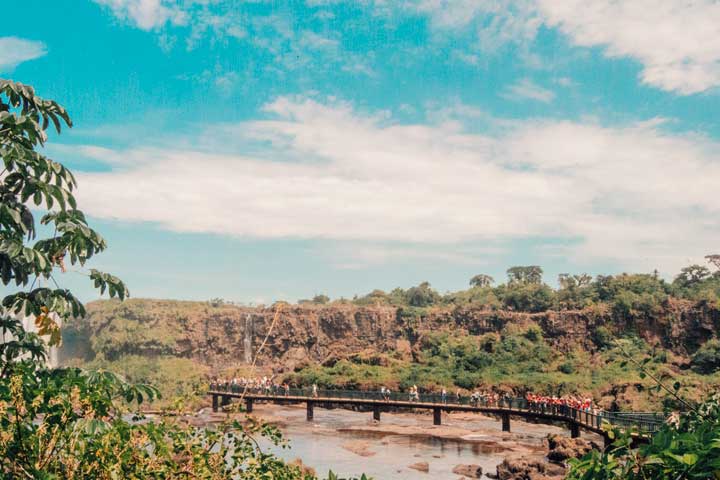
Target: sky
<point x="260" y="150"/>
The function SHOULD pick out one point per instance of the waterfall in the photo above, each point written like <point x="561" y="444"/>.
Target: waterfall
<point x="247" y="338"/>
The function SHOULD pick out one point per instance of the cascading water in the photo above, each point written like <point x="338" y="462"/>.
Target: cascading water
<point x="247" y="339"/>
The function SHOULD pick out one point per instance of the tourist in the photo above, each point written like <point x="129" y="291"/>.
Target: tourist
<point x="443" y="396"/>
<point x="314" y="391"/>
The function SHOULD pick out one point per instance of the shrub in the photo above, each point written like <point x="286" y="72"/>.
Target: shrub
<point x="602" y="337"/>
<point x="566" y="368"/>
<point x="707" y="359"/>
<point x="533" y="333"/>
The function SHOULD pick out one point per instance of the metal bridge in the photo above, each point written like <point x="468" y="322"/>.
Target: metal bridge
<point x="644" y="424"/>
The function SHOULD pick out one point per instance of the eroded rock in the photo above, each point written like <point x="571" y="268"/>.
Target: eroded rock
<point x="420" y="467"/>
<point x="470" y="471"/>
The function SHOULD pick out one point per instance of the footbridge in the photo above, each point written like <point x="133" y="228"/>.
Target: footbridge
<point x="644" y="424"/>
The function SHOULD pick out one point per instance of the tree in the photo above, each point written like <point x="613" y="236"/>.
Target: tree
<point x="568" y="281"/>
<point x="692" y="275"/>
<point x="531" y="274"/>
<point x="481" y="280"/>
<point x="68" y="423"/>
<point x="422" y="296"/>
<point x="714" y="260"/>
<point x="320" y="299"/>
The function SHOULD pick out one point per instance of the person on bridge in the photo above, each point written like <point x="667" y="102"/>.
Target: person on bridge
<point x="286" y="387"/>
<point x="314" y="391"/>
<point x="443" y="396"/>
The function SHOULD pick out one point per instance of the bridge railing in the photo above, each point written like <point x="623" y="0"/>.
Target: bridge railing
<point x="647" y="422"/>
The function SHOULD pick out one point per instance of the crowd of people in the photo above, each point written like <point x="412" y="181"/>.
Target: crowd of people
<point x="266" y="385"/>
<point x="543" y="403"/>
<point x="531" y="401"/>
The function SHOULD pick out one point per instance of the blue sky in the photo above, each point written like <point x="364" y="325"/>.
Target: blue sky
<point x="262" y="150"/>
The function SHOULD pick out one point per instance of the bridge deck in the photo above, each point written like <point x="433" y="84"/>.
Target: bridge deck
<point x="643" y="423"/>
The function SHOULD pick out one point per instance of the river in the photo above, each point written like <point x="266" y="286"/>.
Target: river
<point x="351" y="443"/>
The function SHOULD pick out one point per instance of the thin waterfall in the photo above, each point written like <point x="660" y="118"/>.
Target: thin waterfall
<point x="247" y="338"/>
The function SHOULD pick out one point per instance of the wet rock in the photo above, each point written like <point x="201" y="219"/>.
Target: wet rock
<point x="359" y="448"/>
<point x="470" y="471"/>
<point x="420" y="466"/>
<point x="529" y="469"/>
<point x="564" y="448"/>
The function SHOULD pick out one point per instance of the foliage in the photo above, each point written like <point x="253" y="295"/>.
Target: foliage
<point x="527" y="297"/>
<point x="422" y="296"/>
<point x="481" y="280"/>
<point x="686" y="449"/>
<point x="69" y="423"/>
<point x="531" y="274"/>
<point x="707" y="359"/>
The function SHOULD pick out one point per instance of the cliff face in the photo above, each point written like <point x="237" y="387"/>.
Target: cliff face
<point x="223" y="335"/>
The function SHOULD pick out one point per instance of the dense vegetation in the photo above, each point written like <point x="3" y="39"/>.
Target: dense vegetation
<point x="686" y="448"/>
<point x="525" y="291"/>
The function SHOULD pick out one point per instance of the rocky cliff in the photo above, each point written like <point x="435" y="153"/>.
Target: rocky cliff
<point x="302" y="334"/>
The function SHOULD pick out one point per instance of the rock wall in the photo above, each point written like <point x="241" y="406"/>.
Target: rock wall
<point x="218" y="335"/>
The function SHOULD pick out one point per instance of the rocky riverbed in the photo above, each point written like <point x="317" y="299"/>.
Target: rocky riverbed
<point x="409" y="446"/>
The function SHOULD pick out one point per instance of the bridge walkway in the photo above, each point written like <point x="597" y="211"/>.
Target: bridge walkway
<point x="643" y="423"/>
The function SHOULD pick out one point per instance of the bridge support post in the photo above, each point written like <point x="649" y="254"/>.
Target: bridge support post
<point x="376" y="413"/>
<point x="309" y="411"/>
<point x="215" y="403"/>
<point x="437" y="416"/>
<point x="224" y="400"/>
<point x="505" y="422"/>
<point x="249" y="405"/>
<point x="574" y="430"/>
<point x="607" y="441"/>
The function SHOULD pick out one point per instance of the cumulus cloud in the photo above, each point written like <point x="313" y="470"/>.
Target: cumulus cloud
<point x="677" y="42"/>
<point x="14" y="51"/>
<point x="146" y="14"/>
<point x="526" y="89"/>
<point x="326" y="171"/>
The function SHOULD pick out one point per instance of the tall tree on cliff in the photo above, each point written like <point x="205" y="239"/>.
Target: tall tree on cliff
<point x="68" y="423"/>
<point x="481" y="280"/>
<point x="531" y="274"/>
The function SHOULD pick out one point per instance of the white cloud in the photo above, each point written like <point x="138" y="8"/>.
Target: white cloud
<point x="677" y="41"/>
<point x="14" y="51"/>
<point x="634" y="194"/>
<point x="147" y="14"/>
<point x="526" y="89"/>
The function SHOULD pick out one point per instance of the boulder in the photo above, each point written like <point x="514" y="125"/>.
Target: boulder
<point x="420" y="466"/>
<point x="470" y="471"/>
<point x="564" y="448"/>
<point x="529" y="469"/>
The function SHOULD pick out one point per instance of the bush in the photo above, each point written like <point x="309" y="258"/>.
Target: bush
<point x="602" y="338"/>
<point x="707" y="359"/>
<point x="531" y="298"/>
<point x="567" y="368"/>
<point x="533" y="333"/>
